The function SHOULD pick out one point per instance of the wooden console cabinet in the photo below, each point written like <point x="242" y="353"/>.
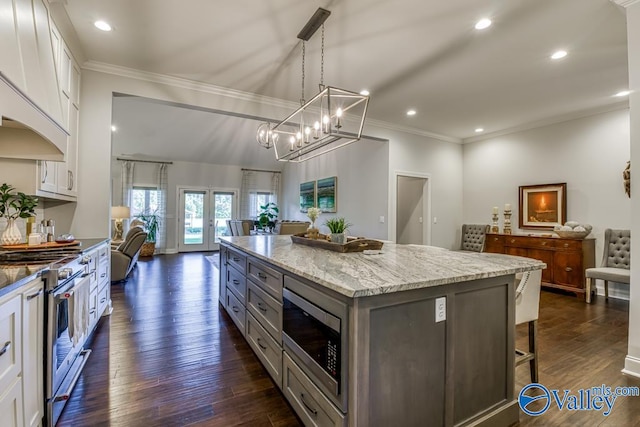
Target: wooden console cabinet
<point x="566" y="259"/>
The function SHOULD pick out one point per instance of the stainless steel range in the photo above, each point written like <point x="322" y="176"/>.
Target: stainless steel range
<point x="66" y="317"/>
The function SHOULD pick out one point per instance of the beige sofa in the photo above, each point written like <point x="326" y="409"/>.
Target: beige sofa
<point x="291" y="227"/>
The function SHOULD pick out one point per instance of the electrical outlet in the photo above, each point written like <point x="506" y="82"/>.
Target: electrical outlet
<point x="441" y="309"/>
<point x="435" y="219"/>
<point x="381" y="219"/>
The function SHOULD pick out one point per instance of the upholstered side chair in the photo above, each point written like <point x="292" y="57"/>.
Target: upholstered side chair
<point x="616" y="262"/>
<point x="125" y="256"/>
<point x="473" y="237"/>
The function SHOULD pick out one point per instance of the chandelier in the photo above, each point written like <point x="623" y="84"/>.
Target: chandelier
<point x="331" y="119"/>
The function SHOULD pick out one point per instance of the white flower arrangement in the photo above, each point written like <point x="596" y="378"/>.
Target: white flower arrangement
<point x="313" y="214"/>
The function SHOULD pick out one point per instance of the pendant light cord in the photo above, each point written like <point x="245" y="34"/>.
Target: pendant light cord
<point x="302" y="101"/>
<point x="322" y="61"/>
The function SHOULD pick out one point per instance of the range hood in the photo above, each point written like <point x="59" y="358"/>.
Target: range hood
<point x="26" y="131"/>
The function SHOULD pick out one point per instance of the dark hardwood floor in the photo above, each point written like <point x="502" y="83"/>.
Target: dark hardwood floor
<point x="168" y="356"/>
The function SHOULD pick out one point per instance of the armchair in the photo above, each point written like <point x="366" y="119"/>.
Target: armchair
<point x="291" y="227"/>
<point x="125" y="256"/>
<point x="616" y="262"/>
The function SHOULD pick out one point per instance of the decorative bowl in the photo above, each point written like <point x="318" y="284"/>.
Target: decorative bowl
<point x="572" y="234"/>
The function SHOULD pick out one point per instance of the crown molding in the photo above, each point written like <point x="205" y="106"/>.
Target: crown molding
<point x="132" y="73"/>
<point x="625" y="3"/>
<point x="551" y="120"/>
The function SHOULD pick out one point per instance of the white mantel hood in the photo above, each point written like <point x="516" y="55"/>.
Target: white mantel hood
<point x="26" y="131"/>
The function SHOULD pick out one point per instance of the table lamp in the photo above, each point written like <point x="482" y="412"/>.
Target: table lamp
<point x="119" y="213"/>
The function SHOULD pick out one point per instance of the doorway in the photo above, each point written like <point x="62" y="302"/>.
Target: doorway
<point x="412" y="209"/>
<point x="203" y="215"/>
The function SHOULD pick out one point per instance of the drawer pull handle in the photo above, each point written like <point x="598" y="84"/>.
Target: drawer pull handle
<point x="495" y="239"/>
<point x="313" y="411"/>
<point x="262" y="346"/>
<point x="235" y="309"/>
<point x="261" y="307"/>
<point x="102" y="300"/>
<point x="236" y="282"/>
<point x="236" y="259"/>
<point x="544" y="243"/>
<point x="32" y="296"/>
<point x="513" y="240"/>
<point x="102" y="275"/>
<point x="566" y="245"/>
<point x="262" y="276"/>
<point x="568" y="269"/>
<point x="6" y="347"/>
<point x="91" y="312"/>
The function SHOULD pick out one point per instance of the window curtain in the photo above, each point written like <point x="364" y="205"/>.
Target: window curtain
<point x="162" y="182"/>
<point x="254" y="182"/>
<point x="127" y="183"/>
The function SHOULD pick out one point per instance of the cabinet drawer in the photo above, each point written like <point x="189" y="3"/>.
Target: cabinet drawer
<point x="265" y="309"/>
<point x="93" y="307"/>
<point x="238" y="260"/>
<point x="237" y="283"/>
<point x="494" y="244"/>
<point x="103" y="253"/>
<point x="103" y="272"/>
<point x="529" y="242"/>
<point x="10" y="341"/>
<point x="575" y="245"/>
<point x="268" y="351"/>
<point x="568" y="269"/>
<point x="236" y="311"/>
<point x="309" y="403"/>
<point x="266" y="277"/>
<point x="103" y="299"/>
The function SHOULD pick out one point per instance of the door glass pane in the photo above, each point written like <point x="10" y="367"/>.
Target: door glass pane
<point x="193" y="218"/>
<point x="223" y="203"/>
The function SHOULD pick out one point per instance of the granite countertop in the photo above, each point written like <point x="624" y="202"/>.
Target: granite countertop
<point x="397" y="268"/>
<point x="15" y="274"/>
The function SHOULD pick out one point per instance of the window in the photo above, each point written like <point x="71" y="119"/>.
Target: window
<point x="145" y="199"/>
<point x="260" y="198"/>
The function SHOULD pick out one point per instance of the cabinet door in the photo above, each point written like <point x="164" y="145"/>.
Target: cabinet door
<point x="34" y="84"/>
<point x="11" y="405"/>
<point x="10" y="64"/>
<point x="568" y="269"/>
<point x="547" y="258"/>
<point x="47" y="65"/>
<point x="510" y="250"/>
<point x="67" y="171"/>
<point x="10" y="342"/>
<point x="48" y="176"/>
<point x="32" y="355"/>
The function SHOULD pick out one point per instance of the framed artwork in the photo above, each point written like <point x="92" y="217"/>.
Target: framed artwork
<point x="327" y="194"/>
<point x="543" y="206"/>
<point x="307" y="195"/>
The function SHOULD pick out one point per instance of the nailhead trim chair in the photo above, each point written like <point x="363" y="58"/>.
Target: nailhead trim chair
<point x="616" y="262"/>
<point x="473" y="237"/>
<point x="527" y="308"/>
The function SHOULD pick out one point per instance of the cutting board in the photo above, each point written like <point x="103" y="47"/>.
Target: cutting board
<point x="40" y="247"/>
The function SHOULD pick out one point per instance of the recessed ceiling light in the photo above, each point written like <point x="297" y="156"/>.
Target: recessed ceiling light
<point x="478" y="130"/>
<point x="113" y="128"/>
<point x="102" y="25"/>
<point x="364" y="92"/>
<point x="411" y="113"/>
<point x="483" y="23"/>
<point x="623" y="93"/>
<point x="559" y="54"/>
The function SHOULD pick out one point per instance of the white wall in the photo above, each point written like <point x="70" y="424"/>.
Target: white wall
<point x="589" y="154"/>
<point x="442" y="163"/>
<point x="632" y="362"/>
<point x="362" y="192"/>
<point x="180" y="174"/>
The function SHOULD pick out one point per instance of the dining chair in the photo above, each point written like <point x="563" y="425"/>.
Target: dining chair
<point x="615" y="265"/>
<point x="527" y="309"/>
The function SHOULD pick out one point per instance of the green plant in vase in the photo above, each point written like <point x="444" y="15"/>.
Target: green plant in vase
<point x="151" y="224"/>
<point x="337" y="227"/>
<point x="268" y="215"/>
<point x="14" y="205"/>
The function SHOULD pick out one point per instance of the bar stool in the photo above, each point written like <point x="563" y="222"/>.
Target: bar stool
<point x="527" y="307"/>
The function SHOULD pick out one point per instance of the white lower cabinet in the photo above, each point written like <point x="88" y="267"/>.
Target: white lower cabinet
<point x="32" y="354"/>
<point x="21" y="356"/>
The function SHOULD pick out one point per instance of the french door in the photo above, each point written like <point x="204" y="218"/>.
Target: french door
<point x="203" y="215"/>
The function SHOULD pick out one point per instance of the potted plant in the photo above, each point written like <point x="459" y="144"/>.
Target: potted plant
<point x="268" y="215"/>
<point x="151" y="223"/>
<point x="313" y="214"/>
<point x="14" y="205"/>
<point x="337" y="227"/>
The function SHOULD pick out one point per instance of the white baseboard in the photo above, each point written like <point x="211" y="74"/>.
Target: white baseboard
<point x="616" y="290"/>
<point x="175" y="251"/>
<point x="631" y="366"/>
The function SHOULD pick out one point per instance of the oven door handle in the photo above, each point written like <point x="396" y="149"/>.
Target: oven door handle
<point x="65" y="396"/>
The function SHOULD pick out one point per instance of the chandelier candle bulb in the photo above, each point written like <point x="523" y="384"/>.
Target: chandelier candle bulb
<point x="495" y="209"/>
<point x="507" y="207"/>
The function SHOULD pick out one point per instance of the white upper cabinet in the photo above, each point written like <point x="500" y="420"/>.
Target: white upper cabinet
<point x="10" y="63"/>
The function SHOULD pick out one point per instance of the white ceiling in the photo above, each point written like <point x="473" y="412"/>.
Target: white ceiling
<point x="421" y="54"/>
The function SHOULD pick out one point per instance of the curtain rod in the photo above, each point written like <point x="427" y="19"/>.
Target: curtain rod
<point x="259" y="170"/>
<point x="143" y="161"/>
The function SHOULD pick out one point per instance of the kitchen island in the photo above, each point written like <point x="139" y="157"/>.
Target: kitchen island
<point x="414" y="335"/>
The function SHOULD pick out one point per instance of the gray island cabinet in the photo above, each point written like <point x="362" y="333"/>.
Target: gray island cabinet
<point x="412" y="336"/>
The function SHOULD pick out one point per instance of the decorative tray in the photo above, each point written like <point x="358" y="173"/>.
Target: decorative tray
<point x="353" y="244"/>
